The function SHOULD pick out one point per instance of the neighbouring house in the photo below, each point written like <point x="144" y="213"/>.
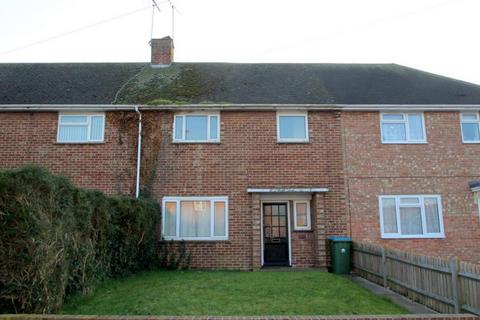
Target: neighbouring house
<point x="258" y="164"/>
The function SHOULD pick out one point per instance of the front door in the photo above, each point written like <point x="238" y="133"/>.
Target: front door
<point x="275" y="234"/>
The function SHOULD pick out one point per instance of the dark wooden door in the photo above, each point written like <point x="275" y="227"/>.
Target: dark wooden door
<point x="275" y="234"/>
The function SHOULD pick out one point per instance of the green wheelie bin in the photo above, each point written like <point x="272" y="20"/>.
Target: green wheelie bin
<point x="340" y="253"/>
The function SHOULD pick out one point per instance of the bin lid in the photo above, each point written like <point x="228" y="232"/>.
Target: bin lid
<point x="340" y="239"/>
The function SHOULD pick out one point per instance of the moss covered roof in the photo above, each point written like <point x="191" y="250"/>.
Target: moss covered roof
<point x="228" y="83"/>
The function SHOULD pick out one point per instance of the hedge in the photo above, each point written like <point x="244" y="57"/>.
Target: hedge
<point x="57" y="240"/>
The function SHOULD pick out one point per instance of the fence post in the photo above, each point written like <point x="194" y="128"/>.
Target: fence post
<point x="455" y="285"/>
<point x="384" y="267"/>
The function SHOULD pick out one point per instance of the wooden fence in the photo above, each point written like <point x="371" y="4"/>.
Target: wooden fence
<point x="447" y="286"/>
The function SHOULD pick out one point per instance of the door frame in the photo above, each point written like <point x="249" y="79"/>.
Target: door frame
<point x="262" y="252"/>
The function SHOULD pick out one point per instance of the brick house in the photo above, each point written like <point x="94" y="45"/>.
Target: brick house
<point x="258" y="164"/>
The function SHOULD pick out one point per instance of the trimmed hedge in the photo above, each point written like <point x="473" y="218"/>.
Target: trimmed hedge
<point x="56" y="239"/>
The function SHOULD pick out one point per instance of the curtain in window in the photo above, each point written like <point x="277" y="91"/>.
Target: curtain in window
<point x="170" y="218"/>
<point x="394" y="132"/>
<point x="411" y="220"/>
<point x="219" y="219"/>
<point x="431" y="215"/>
<point x="301" y="210"/>
<point x="195" y="218"/>
<point x="389" y="215"/>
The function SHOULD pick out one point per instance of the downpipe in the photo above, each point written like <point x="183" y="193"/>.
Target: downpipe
<point x="139" y="152"/>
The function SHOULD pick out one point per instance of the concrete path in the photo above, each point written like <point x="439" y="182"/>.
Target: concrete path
<point x="411" y="306"/>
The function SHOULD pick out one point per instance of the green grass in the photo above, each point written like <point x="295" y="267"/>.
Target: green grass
<point x="230" y="293"/>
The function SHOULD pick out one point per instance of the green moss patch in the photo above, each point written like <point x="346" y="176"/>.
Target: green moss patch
<point x="177" y="84"/>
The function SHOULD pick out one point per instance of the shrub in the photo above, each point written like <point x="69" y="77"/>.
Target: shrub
<point x="56" y="239"/>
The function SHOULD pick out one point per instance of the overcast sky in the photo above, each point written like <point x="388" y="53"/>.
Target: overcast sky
<point x="440" y="36"/>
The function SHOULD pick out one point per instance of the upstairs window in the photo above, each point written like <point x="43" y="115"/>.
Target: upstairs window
<point x="195" y="218"/>
<point x="403" y="128"/>
<point x="196" y="128"/>
<point x="292" y="127"/>
<point x="81" y="128"/>
<point x="470" y="127"/>
<point x="411" y="216"/>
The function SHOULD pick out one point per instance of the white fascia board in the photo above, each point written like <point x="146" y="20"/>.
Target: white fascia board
<point x="243" y="107"/>
<point x="286" y="190"/>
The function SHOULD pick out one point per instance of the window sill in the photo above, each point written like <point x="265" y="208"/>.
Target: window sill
<point x="196" y="142"/>
<point x="442" y="236"/>
<point x="471" y="142"/>
<point x="85" y="142"/>
<point x="403" y="142"/>
<point x="293" y="142"/>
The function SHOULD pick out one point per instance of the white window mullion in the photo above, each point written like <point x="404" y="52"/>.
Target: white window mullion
<point x="208" y="128"/>
<point x="89" y="127"/>
<point x="177" y="226"/>
<point x="212" y="217"/>
<point x="397" y="209"/>
<point x="184" y="127"/>
<point x="424" y="218"/>
<point x="407" y="126"/>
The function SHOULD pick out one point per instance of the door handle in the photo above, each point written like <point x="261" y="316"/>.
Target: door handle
<point x="275" y="240"/>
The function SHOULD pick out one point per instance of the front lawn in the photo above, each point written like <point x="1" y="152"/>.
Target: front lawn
<point x="230" y="293"/>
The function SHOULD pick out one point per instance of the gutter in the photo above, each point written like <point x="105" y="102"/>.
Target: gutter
<point x="240" y="107"/>
<point x="139" y="152"/>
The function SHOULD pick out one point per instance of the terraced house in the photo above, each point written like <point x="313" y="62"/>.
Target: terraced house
<point x="258" y="164"/>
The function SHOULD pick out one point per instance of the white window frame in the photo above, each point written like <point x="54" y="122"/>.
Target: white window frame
<point x="309" y="223"/>
<point x="421" y="203"/>
<point x="293" y="114"/>
<point x="89" y="116"/>
<point x="462" y="121"/>
<point x="407" y="128"/>
<point x="212" y="200"/>
<point x="184" y="127"/>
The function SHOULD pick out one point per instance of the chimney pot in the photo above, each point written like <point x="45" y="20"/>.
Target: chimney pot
<point x="162" y="51"/>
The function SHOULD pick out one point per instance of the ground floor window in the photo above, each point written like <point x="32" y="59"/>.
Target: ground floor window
<point x="195" y="218"/>
<point x="411" y="216"/>
<point x="301" y="217"/>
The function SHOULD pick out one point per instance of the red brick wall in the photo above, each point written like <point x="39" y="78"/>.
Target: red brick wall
<point x="249" y="156"/>
<point x="32" y="138"/>
<point x="442" y="166"/>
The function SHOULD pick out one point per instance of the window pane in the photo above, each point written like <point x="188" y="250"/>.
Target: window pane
<point x="196" y="127"/>
<point x="415" y="126"/>
<point x="195" y="219"/>
<point x="411" y="221"/>
<point x="389" y="215"/>
<point x="301" y="210"/>
<point x="470" y="132"/>
<point x="219" y="223"/>
<point x="214" y="127"/>
<point x="292" y="127"/>
<point x="178" y="127"/>
<point x="432" y="215"/>
<point x="170" y="218"/>
<point x="392" y="116"/>
<point x="96" y="130"/>
<point x="72" y="133"/>
<point x="409" y="200"/>
<point x="393" y="132"/>
<point x="469" y="116"/>
<point x="73" y="119"/>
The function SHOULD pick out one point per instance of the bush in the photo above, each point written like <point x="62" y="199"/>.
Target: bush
<point x="56" y="239"/>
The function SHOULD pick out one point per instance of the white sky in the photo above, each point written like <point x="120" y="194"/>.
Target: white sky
<point x="440" y="36"/>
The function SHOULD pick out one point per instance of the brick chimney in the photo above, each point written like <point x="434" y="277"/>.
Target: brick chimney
<point x="162" y="51"/>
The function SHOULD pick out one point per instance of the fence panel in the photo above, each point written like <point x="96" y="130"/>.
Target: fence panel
<point x="447" y="286"/>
